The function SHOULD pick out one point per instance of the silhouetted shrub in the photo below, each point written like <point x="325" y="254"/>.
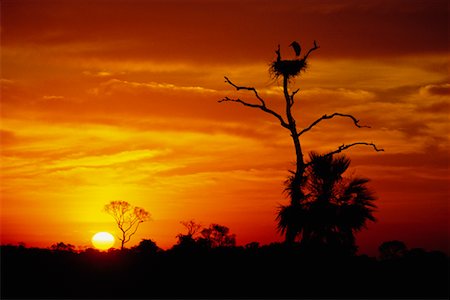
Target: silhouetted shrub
<point x="392" y="250"/>
<point x="62" y="247"/>
<point x="146" y="246"/>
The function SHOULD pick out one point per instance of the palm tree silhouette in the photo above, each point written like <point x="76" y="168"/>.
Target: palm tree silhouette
<point x="334" y="207"/>
<point x="292" y="218"/>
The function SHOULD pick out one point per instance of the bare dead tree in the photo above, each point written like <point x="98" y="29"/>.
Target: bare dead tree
<point x="286" y="70"/>
<point x="127" y="217"/>
<point x="192" y="227"/>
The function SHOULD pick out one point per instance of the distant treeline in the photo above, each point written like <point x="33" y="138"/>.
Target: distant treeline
<point x="199" y="271"/>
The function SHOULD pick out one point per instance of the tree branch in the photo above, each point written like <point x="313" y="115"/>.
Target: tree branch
<point x="261" y="106"/>
<point x="344" y="147"/>
<point x="245" y="88"/>
<point x="131" y="234"/>
<point x="315" y="47"/>
<point x="278" y="52"/>
<point x="324" y="117"/>
<point x="131" y="223"/>
<point x="291" y="97"/>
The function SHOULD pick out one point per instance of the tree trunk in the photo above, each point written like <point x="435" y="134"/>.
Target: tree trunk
<point x="123" y="240"/>
<point x="297" y="194"/>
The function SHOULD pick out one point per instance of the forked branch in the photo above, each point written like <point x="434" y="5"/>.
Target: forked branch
<point x="291" y="97"/>
<point x="325" y="117"/>
<point x="238" y="88"/>
<point x="315" y="47"/>
<point x="261" y="106"/>
<point x="344" y="147"/>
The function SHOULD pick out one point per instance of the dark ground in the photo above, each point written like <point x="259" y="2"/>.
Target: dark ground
<point x="273" y="271"/>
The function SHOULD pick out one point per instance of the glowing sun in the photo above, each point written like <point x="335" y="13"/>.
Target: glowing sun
<point x="103" y="240"/>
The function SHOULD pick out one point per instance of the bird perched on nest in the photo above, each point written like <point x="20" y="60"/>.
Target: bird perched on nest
<point x="296" y="47"/>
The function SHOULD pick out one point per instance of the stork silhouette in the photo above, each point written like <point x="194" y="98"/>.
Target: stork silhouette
<point x="296" y="47"/>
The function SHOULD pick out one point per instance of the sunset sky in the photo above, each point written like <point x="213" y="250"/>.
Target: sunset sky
<point x="117" y="100"/>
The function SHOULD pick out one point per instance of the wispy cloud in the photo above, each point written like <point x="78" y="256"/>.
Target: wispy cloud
<point x="52" y="97"/>
<point x="436" y="89"/>
<point x="106" y="160"/>
<point x="122" y="85"/>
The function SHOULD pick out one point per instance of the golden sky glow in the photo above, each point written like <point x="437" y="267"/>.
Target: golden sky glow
<point x="117" y="100"/>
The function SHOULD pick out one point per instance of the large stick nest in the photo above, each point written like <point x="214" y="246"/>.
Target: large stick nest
<point x="287" y="68"/>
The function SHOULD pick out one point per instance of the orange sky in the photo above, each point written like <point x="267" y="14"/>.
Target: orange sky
<point x="117" y="100"/>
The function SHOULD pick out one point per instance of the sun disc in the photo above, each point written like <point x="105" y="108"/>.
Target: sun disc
<point x="103" y="240"/>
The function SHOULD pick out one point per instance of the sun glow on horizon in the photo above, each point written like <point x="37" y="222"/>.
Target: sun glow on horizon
<point x="103" y="240"/>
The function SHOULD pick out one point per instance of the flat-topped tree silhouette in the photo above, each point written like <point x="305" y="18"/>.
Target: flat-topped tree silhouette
<point x="218" y="236"/>
<point x="287" y="70"/>
<point x="209" y="237"/>
<point x="127" y="217"/>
